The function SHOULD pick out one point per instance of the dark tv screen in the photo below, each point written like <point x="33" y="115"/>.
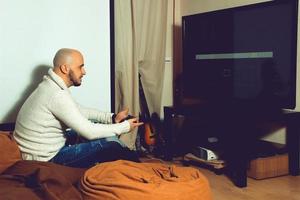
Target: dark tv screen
<point x="245" y="53"/>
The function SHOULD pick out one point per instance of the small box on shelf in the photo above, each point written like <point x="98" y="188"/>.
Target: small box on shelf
<point x="267" y="167"/>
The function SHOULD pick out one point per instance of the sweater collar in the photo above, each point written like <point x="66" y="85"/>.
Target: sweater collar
<point x="59" y="81"/>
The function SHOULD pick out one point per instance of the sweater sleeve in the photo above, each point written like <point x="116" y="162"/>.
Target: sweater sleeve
<point x="96" y="115"/>
<point x="66" y="110"/>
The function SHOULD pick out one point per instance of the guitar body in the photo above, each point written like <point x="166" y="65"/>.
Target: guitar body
<point x="149" y="137"/>
<point x="149" y="134"/>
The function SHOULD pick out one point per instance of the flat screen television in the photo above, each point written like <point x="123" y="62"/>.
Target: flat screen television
<point x="245" y="53"/>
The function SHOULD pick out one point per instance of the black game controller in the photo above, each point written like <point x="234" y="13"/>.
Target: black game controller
<point x="126" y="118"/>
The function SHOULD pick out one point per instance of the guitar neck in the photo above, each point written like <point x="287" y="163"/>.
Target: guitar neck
<point x="143" y="102"/>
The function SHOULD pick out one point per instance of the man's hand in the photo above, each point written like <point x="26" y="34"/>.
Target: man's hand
<point x="134" y="122"/>
<point x="121" y="115"/>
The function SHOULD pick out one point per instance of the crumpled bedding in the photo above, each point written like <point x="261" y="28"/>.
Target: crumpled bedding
<point x="128" y="180"/>
<point x="36" y="180"/>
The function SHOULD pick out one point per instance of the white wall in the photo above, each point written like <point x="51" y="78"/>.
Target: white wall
<point x="188" y="7"/>
<point x="32" y="31"/>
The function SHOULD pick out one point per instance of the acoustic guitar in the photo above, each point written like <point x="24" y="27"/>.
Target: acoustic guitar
<point x="149" y="135"/>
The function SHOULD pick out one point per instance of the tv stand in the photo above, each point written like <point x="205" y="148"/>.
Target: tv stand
<point x="237" y="135"/>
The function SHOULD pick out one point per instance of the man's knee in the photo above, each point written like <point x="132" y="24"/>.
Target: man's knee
<point x="117" y="151"/>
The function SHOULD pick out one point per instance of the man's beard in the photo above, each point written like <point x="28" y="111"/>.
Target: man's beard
<point x="72" y="77"/>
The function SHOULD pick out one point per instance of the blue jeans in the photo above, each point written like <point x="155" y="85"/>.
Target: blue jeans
<point x="89" y="153"/>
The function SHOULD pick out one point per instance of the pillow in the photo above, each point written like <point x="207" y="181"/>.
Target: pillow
<point x="9" y="150"/>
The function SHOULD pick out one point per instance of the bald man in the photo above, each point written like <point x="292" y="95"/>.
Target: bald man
<point x="50" y="111"/>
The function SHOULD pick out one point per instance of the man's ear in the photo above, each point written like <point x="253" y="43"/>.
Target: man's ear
<point x="64" y="69"/>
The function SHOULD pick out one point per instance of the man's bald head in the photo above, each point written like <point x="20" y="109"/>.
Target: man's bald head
<point x="64" y="56"/>
<point x="69" y="65"/>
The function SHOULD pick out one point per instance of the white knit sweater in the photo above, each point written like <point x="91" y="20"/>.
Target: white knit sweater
<point x="49" y="111"/>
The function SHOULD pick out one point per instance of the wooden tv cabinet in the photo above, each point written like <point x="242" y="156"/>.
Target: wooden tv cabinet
<point x="238" y="135"/>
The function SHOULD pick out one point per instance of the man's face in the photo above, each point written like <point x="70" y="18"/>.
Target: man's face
<point x="77" y="70"/>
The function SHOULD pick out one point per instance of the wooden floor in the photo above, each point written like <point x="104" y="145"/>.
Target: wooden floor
<point x="279" y="188"/>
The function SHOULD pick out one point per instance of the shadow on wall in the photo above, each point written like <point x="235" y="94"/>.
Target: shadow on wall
<point x="36" y="78"/>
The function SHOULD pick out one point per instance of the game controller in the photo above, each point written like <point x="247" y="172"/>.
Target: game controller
<point x="126" y="118"/>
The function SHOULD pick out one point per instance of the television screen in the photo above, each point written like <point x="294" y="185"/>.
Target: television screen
<point x="242" y="54"/>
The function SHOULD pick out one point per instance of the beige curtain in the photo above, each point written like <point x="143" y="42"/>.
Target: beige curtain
<point x="140" y="42"/>
<point x="126" y="65"/>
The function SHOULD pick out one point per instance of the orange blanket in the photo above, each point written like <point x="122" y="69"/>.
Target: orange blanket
<point x="143" y="181"/>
